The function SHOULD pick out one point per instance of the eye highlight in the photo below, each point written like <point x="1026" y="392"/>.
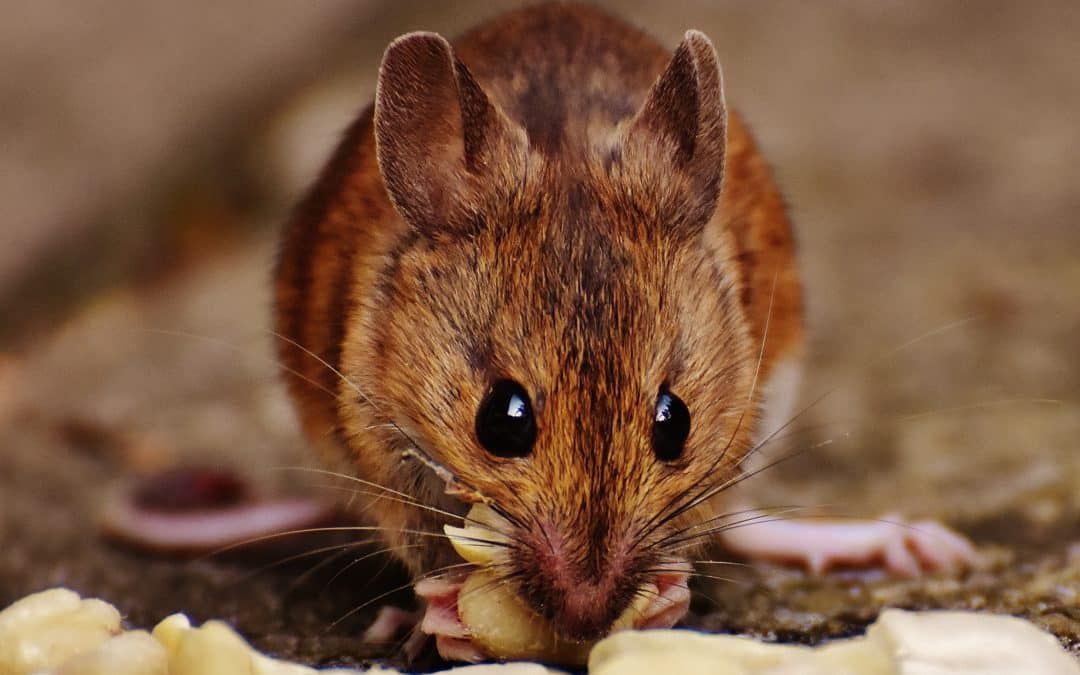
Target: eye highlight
<point x="671" y="426"/>
<point x="505" y="424"/>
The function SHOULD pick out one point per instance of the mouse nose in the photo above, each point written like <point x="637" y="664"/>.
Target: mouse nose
<point x="582" y="602"/>
<point x="581" y="584"/>
<point x="585" y="612"/>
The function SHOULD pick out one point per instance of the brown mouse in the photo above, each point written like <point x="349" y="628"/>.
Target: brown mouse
<point x="547" y="269"/>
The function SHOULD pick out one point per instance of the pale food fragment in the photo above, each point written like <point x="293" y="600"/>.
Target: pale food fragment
<point x="943" y="643"/>
<point x="42" y="631"/>
<point x="500" y="622"/>
<point x="899" y="643"/>
<point x="131" y="653"/>
<point x="482" y="538"/>
<point x="682" y="651"/>
<point x="215" y="648"/>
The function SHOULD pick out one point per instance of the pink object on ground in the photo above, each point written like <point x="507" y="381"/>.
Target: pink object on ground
<point x="905" y="549"/>
<point x="204" y="510"/>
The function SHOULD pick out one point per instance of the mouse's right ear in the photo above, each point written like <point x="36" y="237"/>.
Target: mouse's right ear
<point x="441" y="143"/>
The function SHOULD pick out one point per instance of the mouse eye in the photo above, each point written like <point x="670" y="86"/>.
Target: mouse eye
<point x="504" y="424"/>
<point x="671" y="426"/>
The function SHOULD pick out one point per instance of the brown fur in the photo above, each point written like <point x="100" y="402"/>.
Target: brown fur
<point x="541" y="202"/>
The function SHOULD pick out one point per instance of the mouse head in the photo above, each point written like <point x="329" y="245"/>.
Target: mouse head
<point x="559" y="330"/>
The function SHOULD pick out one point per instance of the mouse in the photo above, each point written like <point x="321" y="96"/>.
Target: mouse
<point x="548" y="271"/>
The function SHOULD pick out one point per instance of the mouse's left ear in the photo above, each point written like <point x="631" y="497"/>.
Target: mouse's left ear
<point x="673" y="148"/>
<point x="442" y="145"/>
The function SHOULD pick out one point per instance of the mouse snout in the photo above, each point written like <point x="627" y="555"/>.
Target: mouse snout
<point x="582" y="590"/>
<point x="580" y="608"/>
<point x="586" y="612"/>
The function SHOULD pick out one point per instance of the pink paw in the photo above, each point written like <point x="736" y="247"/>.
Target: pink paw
<point x="442" y="620"/>
<point x="905" y="549"/>
<point x="671" y="602"/>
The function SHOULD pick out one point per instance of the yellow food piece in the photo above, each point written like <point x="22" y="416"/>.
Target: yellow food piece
<point x="215" y="649"/>
<point x="42" y="631"/>
<point x="500" y="622"/>
<point x="898" y="643"/>
<point x="947" y="642"/>
<point x="683" y="651"/>
<point x="482" y="525"/>
<point x="131" y="653"/>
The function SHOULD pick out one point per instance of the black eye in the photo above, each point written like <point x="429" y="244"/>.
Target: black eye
<point x="671" y="426"/>
<point x="504" y="424"/>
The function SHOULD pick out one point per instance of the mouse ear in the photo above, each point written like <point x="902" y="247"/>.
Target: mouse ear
<point x="438" y="139"/>
<point x="674" y="145"/>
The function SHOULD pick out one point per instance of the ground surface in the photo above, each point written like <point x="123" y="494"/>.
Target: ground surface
<point x="929" y="154"/>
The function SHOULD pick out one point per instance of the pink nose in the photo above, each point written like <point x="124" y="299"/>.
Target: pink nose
<point x="586" y="611"/>
<point x="581" y="589"/>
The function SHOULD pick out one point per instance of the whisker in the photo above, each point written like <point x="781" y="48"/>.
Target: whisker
<point x="237" y="348"/>
<point x="670" y="511"/>
<point x="352" y="385"/>
<point x="415" y="449"/>
<point x="928" y="334"/>
<point x="343" y="547"/>
<point x="403" y="498"/>
<point x="400" y="497"/>
<point x="302" y="578"/>
<point x="695" y="573"/>
<point x="356" y="561"/>
<point x="745" y="475"/>
<point x="753" y="512"/>
<point x="396" y="589"/>
<point x="330" y="560"/>
<point x="657" y="521"/>
<point x="808" y="516"/>
<point x="733" y="563"/>
<point x="668" y="543"/>
<point x="692" y="540"/>
<point x="315" y="530"/>
<point x="641" y="592"/>
<point x="711" y="491"/>
<point x="979" y="405"/>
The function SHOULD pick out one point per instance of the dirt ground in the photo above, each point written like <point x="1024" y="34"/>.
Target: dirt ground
<point x="929" y="154"/>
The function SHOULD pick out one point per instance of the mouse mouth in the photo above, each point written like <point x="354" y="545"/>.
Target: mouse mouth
<point x="588" y="612"/>
<point x="529" y="617"/>
<point x="579" y="606"/>
<point x="588" y="593"/>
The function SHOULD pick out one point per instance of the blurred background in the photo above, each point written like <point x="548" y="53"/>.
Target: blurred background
<point x="150" y="152"/>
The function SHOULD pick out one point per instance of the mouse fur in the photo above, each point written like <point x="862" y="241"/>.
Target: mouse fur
<point x="556" y="199"/>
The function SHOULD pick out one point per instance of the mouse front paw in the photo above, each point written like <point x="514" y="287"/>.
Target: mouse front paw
<point x="903" y="548"/>
<point x="442" y="620"/>
<point x="669" y="599"/>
